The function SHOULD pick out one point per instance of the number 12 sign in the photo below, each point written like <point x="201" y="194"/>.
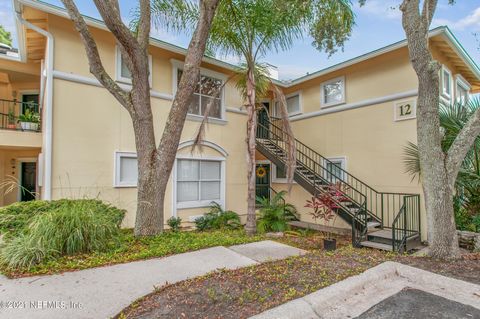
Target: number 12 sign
<point x="405" y="110"/>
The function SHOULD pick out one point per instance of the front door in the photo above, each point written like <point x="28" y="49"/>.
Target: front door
<point x="30" y="102"/>
<point x="262" y="128"/>
<point x="262" y="180"/>
<point x="28" y="181"/>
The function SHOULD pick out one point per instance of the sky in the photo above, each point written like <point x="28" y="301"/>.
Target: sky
<point x="378" y="24"/>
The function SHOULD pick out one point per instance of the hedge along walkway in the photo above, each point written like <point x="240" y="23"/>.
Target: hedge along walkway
<point x="105" y="291"/>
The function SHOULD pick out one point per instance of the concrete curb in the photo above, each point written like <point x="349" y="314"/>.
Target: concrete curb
<point x="355" y="295"/>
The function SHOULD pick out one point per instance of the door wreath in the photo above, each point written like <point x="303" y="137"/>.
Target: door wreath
<point x="261" y="171"/>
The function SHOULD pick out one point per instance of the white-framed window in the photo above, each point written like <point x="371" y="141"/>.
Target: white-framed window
<point x="462" y="88"/>
<point x="333" y="92"/>
<point x="334" y="169"/>
<point x="294" y="105"/>
<point x="279" y="175"/>
<point x="209" y="89"/>
<point x="446" y="83"/>
<point x="198" y="182"/>
<point x="126" y="169"/>
<point x="122" y="73"/>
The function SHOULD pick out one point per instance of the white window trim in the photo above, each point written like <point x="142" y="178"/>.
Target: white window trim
<point x="322" y="89"/>
<point x="176" y="64"/>
<point x="460" y="81"/>
<point x="116" y="169"/>
<point x="118" y="68"/>
<point x="274" y="179"/>
<point x="444" y="94"/>
<point x="300" y="104"/>
<point x="199" y="203"/>
<point x="342" y="159"/>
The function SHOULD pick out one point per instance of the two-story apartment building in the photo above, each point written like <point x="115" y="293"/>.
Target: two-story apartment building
<point x="351" y="121"/>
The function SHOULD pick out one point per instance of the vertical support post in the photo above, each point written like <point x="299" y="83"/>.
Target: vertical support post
<point x="381" y="200"/>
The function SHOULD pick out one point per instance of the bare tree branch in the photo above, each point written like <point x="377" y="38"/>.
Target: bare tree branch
<point x="111" y="16"/>
<point x="463" y="142"/>
<point x="428" y="11"/>
<point x="190" y="76"/>
<point x="143" y="32"/>
<point x="96" y="66"/>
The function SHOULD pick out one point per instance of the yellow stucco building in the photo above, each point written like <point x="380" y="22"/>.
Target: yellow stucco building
<point x="351" y="120"/>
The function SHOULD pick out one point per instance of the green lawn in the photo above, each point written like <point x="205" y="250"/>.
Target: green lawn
<point x="130" y="248"/>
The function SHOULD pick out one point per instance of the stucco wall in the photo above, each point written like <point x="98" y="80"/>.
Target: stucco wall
<point x="89" y="126"/>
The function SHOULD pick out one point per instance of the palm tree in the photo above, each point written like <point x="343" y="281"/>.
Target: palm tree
<point x="452" y="119"/>
<point x="249" y="29"/>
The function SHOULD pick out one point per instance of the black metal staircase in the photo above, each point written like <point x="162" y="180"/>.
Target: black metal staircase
<point x="389" y="221"/>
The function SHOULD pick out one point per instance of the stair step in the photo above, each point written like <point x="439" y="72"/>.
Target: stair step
<point x="384" y="233"/>
<point x="375" y="245"/>
<point x="373" y="224"/>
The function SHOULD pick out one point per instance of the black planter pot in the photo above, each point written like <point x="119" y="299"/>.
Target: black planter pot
<point x="330" y="244"/>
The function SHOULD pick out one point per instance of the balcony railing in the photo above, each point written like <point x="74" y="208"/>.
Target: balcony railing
<point x="19" y="116"/>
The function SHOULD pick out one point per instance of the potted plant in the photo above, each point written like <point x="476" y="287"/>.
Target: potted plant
<point x="323" y="207"/>
<point x="11" y="119"/>
<point x="29" y="120"/>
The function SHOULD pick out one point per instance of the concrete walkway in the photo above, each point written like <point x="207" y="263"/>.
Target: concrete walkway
<point x="368" y="294"/>
<point x="103" y="292"/>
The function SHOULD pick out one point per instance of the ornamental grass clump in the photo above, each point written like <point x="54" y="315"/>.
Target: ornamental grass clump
<point x="74" y="227"/>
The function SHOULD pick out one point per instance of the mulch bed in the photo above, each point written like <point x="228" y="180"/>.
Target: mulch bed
<point x="248" y="291"/>
<point x="466" y="268"/>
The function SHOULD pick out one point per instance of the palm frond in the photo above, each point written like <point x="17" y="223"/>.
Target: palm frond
<point x="411" y="160"/>
<point x="172" y="15"/>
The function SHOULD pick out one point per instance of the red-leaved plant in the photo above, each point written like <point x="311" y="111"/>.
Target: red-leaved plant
<point x="324" y="204"/>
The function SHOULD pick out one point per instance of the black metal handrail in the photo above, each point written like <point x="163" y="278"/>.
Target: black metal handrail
<point x="407" y="223"/>
<point x="359" y="231"/>
<point x="382" y="205"/>
<point x="316" y="173"/>
<point x="11" y="114"/>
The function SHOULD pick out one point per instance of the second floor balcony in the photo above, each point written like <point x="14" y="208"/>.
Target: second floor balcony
<point x="20" y="116"/>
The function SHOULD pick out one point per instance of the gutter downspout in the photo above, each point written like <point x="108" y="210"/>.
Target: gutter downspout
<point x="48" y="104"/>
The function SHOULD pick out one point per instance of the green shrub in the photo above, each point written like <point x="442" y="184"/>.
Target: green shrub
<point x="74" y="226"/>
<point x="275" y="213"/>
<point x="465" y="221"/>
<point x="174" y="223"/>
<point x="15" y="217"/>
<point x="217" y="218"/>
<point x="476" y="223"/>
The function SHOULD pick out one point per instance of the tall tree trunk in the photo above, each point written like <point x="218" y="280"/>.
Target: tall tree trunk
<point x="149" y="216"/>
<point x="436" y="181"/>
<point x="437" y="186"/>
<point x="154" y="163"/>
<point x="251" y="225"/>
